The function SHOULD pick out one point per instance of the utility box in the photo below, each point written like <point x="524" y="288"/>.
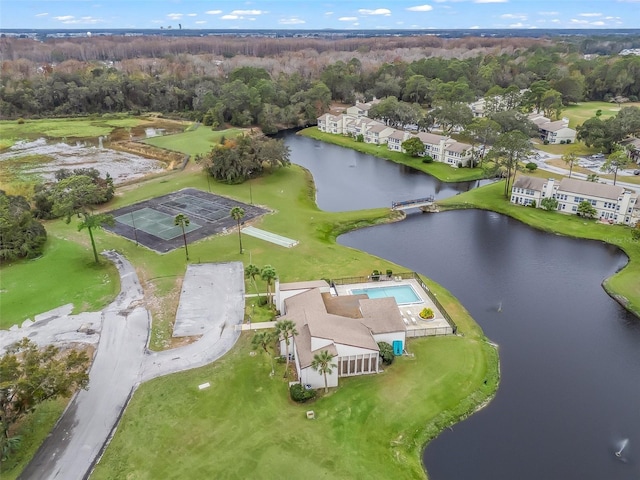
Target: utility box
<point x="397" y="347"/>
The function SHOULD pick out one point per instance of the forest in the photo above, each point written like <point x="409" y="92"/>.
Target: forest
<point x="284" y="83"/>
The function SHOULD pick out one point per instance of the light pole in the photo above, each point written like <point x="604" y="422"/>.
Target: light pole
<point x="135" y="232"/>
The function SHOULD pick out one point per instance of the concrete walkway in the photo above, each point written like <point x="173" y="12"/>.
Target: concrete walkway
<point x="121" y="363"/>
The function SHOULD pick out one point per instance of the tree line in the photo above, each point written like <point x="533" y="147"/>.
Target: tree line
<point x="274" y="94"/>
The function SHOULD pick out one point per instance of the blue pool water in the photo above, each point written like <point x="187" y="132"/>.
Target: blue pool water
<point x="404" y="294"/>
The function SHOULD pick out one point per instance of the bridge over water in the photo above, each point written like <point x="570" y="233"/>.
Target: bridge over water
<point x="422" y="203"/>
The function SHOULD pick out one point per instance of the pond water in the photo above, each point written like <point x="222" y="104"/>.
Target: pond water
<point x="570" y="356"/>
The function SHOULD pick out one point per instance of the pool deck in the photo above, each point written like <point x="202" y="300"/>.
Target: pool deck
<point x="416" y="326"/>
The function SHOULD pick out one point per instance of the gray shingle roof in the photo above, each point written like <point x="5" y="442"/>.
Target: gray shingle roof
<point x="529" y="183"/>
<point x="593" y="189"/>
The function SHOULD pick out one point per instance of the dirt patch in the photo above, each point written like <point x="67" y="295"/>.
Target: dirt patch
<point x="121" y="165"/>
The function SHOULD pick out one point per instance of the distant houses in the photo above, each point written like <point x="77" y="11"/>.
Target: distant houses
<point x="553" y="132"/>
<point x="612" y="203"/>
<point x="356" y="123"/>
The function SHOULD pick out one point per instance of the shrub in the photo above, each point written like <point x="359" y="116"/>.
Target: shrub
<point x="531" y="166"/>
<point x="20" y="121"/>
<point x="427" y="159"/>
<point x="386" y="353"/>
<point x="360" y="138"/>
<point x="389" y="272"/>
<point x="568" y="141"/>
<point x="300" y="394"/>
<point x="533" y="204"/>
<point x="546" y="142"/>
<point x="459" y="164"/>
<point x="549" y="204"/>
<point x="426" y="313"/>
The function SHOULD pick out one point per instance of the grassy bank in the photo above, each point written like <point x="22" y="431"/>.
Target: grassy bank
<point x="441" y="171"/>
<point x="582" y="111"/>
<point x="623" y="286"/>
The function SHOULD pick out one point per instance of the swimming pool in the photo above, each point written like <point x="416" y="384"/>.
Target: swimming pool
<point x="404" y="294"/>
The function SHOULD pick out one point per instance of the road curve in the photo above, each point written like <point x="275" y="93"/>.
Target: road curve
<point x="121" y="363"/>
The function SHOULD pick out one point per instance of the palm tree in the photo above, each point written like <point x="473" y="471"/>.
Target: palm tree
<point x="91" y="221"/>
<point x="263" y="339"/>
<point x="237" y="213"/>
<point x="268" y="274"/>
<point x="182" y="221"/>
<point x="250" y="271"/>
<point x="322" y="363"/>
<point x="284" y="330"/>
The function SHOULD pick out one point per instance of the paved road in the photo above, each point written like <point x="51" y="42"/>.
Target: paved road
<point x="121" y="363"/>
<point x="542" y="165"/>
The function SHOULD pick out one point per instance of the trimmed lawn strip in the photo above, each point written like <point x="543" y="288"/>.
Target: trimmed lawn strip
<point x="439" y="170"/>
<point x="244" y="425"/>
<point x="65" y="273"/>
<point x="623" y="286"/>
<point x="193" y="142"/>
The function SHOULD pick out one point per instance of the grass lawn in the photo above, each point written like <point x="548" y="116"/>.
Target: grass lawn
<point x="65" y="273"/>
<point x="245" y="426"/>
<point x="441" y="171"/>
<point x="194" y="142"/>
<point x="577" y="114"/>
<point x="65" y="127"/>
<point x="623" y="285"/>
<point x="379" y="423"/>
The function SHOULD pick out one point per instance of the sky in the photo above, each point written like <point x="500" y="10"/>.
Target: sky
<point x="304" y="14"/>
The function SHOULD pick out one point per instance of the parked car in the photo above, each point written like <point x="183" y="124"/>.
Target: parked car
<point x="597" y="156"/>
<point x="636" y="172"/>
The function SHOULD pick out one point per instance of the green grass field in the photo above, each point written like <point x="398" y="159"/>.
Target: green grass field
<point x="245" y="426"/>
<point x="577" y="114"/>
<point x="194" y="142"/>
<point x="624" y="284"/>
<point x="441" y="171"/>
<point x="65" y="273"/>
<point x="64" y="127"/>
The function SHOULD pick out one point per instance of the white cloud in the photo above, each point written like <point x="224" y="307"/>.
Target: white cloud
<point x="192" y="14"/>
<point x="599" y="23"/>
<point x="248" y="12"/>
<point x="579" y="22"/>
<point x="328" y="13"/>
<point x="378" y="11"/>
<point x="71" y="20"/>
<point x="421" y="8"/>
<point x="475" y="27"/>
<point x="517" y="25"/>
<point x="489" y="1"/>
<point x="513" y="16"/>
<point x="41" y="14"/>
<point x="347" y="19"/>
<point x="174" y="16"/>
<point x="555" y="20"/>
<point x="229" y="17"/>
<point x="550" y="14"/>
<point x="291" y="21"/>
<point x="200" y="22"/>
<point x="589" y="14"/>
<point x="213" y="12"/>
<point x="356" y="24"/>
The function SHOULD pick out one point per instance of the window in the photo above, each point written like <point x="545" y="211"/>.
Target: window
<point x="574" y="208"/>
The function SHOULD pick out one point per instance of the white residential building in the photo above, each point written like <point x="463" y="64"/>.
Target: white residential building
<point x="613" y="203"/>
<point x="352" y="340"/>
<point x="553" y="132"/>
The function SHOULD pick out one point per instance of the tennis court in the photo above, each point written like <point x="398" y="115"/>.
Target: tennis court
<point x="152" y="222"/>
